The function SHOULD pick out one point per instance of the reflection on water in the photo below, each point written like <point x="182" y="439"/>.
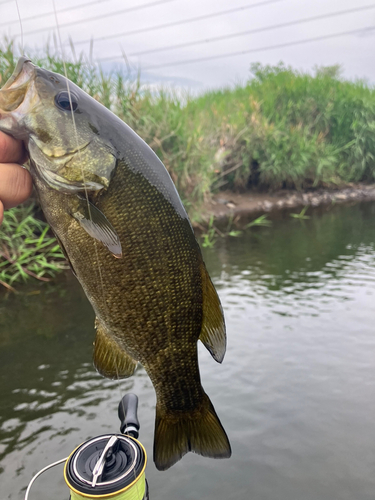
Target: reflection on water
<point x="296" y="391"/>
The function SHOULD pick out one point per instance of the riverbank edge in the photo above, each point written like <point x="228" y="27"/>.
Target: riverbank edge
<point x="229" y="204"/>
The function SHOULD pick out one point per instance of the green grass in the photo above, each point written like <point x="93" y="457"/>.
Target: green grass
<point x="211" y="233"/>
<point x="301" y="215"/>
<point x="27" y="250"/>
<point x="282" y="129"/>
<point x="289" y="129"/>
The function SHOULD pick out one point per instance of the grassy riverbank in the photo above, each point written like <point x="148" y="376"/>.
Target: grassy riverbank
<point x="282" y="129"/>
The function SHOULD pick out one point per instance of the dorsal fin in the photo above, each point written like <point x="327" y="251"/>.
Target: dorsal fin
<point x="109" y="359"/>
<point x="213" y="326"/>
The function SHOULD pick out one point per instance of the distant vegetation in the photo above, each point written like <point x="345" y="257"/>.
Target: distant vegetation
<point x="283" y="128"/>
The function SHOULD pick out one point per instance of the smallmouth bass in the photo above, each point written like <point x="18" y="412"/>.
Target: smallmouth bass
<point x="122" y="226"/>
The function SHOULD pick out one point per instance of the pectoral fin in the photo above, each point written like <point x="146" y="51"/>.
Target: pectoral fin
<point x="213" y="326"/>
<point x="109" y="359"/>
<point x="96" y="224"/>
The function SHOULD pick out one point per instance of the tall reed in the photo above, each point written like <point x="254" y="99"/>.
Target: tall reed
<point x="283" y="128"/>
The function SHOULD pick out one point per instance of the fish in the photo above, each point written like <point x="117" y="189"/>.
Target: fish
<point x="127" y="237"/>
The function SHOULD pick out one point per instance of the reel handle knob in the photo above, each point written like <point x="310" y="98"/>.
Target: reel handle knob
<point x="127" y="413"/>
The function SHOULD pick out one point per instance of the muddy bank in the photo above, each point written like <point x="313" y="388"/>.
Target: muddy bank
<point x="228" y="204"/>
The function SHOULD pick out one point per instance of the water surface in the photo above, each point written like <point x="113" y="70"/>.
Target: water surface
<point x="296" y="391"/>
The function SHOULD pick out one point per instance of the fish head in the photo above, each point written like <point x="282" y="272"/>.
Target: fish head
<point x="60" y="126"/>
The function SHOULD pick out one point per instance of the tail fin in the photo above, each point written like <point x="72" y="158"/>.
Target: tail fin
<point x="199" y="431"/>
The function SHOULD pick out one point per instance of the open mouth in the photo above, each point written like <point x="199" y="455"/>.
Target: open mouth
<point x="21" y="74"/>
<point x="13" y="92"/>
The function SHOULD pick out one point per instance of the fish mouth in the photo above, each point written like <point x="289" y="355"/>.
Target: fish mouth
<point x="19" y="76"/>
<point x="13" y="93"/>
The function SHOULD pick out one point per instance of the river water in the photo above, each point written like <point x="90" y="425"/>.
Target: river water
<point x="295" y="393"/>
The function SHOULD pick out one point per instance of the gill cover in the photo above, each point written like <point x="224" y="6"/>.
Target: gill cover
<point x="60" y="127"/>
<point x="62" y="136"/>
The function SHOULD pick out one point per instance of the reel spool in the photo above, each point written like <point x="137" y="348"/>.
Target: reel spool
<point x="109" y="466"/>
<point x="113" y="465"/>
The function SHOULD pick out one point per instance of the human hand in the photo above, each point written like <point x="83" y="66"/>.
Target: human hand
<point x="15" y="181"/>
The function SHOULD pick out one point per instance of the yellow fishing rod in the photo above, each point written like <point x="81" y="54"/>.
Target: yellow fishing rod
<point x="111" y="466"/>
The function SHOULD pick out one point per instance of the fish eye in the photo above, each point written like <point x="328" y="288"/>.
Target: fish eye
<point x="63" y="102"/>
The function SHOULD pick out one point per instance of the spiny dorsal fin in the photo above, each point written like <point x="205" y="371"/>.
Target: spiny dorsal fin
<point x="213" y="326"/>
<point x="96" y="224"/>
<point x="109" y="359"/>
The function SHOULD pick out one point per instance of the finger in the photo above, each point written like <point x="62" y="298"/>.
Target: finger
<point x="1" y="213"/>
<point x="15" y="184"/>
<point x="11" y="150"/>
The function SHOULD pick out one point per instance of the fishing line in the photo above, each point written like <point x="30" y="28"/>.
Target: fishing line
<point x="81" y="163"/>
<point x="48" y="467"/>
<point x="82" y="172"/>
<point x="66" y="9"/>
<point x="41" y="472"/>
<point x="19" y="18"/>
<point x="119" y="387"/>
<point x="78" y="149"/>
<point x="136" y="482"/>
<point x="63" y="459"/>
<point x="123" y="408"/>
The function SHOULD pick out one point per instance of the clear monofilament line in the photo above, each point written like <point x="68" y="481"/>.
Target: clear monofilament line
<point x="19" y="17"/>
<point x="78" y="149"/>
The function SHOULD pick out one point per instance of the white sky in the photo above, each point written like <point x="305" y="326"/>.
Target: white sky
<point x="355" y="52"/>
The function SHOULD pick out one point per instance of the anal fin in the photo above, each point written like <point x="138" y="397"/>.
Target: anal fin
<point x="213" y="326"/>
<point x="109" y="359"/>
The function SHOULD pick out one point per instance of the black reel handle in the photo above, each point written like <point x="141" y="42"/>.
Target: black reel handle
<point x="127" y="413"/>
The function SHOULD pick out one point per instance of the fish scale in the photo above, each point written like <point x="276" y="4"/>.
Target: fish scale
<point x="120" y="222"/>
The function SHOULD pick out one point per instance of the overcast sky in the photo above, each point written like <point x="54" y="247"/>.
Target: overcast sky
<point x="149" y="25"/>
